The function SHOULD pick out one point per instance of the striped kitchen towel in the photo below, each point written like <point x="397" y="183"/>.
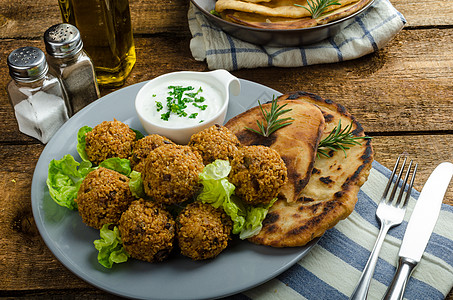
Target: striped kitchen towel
<point x="333" y="267"/>
<point x="370" y="31"/>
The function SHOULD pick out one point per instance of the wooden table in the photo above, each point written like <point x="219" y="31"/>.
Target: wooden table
<point x="402" y="95"/>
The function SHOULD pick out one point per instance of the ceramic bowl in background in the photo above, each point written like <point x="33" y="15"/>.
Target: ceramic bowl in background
<point x="277" y="37"/>
<point x="176" y="128"/>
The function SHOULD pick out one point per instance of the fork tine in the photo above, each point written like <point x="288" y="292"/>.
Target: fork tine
<point x="403" y="186"/>
<point x="395" y="186"/>
<point x="389" y="183"/>
<point x="411" y="184"/>
<point x="389" y="213"/>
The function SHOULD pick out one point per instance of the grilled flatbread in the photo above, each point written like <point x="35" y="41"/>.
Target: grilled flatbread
<point x="290" y="141"/>
<point x="331" y="192"/>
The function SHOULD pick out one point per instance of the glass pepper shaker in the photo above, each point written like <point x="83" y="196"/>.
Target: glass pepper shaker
<point x="71" y="64"/>
<point x="36" y="95"/>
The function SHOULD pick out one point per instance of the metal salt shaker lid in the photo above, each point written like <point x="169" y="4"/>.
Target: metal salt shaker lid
<point x="27" y="64"/>
<point x="62" y="40"/>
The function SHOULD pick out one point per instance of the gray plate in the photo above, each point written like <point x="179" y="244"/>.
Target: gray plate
<point x="276" y="37"/>
<point x="240" y="267"/>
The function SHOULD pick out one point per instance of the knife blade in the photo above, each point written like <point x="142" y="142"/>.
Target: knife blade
<point x="419" y="228"/>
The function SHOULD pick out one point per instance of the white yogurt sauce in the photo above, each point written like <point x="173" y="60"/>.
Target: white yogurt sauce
<point x="212" y="96"/>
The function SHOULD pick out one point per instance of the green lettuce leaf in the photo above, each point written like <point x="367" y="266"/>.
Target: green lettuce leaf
<point x="81" y="143"/>
<point x="136" y="185"/>
<point x="254" y="219"/>
<point x="121" y="165"/>
<point x="219" y="192"/>
<point x="237" y="212"/>
<point x="64" y="178"/>
<point x="138" y="134"/>
<point x="110" y="247"/>
<point x="216" y="188"/>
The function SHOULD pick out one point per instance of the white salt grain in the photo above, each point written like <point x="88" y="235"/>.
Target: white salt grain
<point x="41" y="115"/>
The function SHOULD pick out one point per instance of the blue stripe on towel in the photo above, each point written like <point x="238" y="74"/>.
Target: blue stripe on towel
<point x="447" y="208"/>
<point x="438" y="245"/>
<point x="337" y="49"/>
<point x="367" y="33"/>
<point x="355" y="255"/>
<point x="233" y="53"/>
<point x="270" y="58"/>
<point x="298" y="278"/>
<point x="303" y="54"/>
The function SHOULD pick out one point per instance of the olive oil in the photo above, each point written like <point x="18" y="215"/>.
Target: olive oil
<point x="106" y="31"/>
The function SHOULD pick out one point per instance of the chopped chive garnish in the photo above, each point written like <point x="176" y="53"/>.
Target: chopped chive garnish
<point x="177" y="99"/>
<point x="159" y="105"/>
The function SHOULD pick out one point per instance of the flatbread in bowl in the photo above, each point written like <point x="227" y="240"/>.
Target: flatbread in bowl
<point x="283" y="14"/>
<point x="330" y="194"/>
<point x="285" y="26"/>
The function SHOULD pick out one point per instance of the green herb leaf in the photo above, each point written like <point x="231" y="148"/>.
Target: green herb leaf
<point x="136" y="185"/>
<point x="64" y="179"/>
<point x="81" y="142"/>
<point x="215" y="13"/>
<point x="318" y="7"/>
<point x="138" y="134"/>
<point x="202" y="107"/>
<point x="219" y="192"/>
<point x="110" y="247"/>
<point x="272" y="121"/>
<point x="339" y="139"/>
<point x="178" y="99"/>
<point x="120" y="165"/>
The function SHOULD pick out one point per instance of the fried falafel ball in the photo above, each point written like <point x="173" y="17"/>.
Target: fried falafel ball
<point x="143" y="146"/>
<point x="109" y="139"/>
<point x="215" y="142"/>
<point x="202" y="231"/>
<point x="103" y="196"/>
<point x="171" y="173"/>
<point x="258" y="173"/>
<point x="147" y="231"/>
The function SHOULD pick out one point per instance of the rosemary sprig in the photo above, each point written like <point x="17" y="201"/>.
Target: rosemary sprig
<point x="272" y="121"/>
<point x="318" y="7"/>
<point x="339" y="139"/>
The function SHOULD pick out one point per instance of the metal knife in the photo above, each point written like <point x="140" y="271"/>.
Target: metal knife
<point x="419" y="228"/>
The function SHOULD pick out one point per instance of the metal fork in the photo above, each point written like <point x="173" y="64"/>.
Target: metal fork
<point x="390" y="213"/>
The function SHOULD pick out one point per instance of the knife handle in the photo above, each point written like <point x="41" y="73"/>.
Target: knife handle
<point x="396" y="289"/>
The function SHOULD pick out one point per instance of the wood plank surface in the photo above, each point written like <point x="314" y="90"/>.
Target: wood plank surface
<point x="399" y="80"/>
<point x="26" y="19"/>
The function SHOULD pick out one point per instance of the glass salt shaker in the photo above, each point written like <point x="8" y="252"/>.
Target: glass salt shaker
<point x="71" y="64"/>
<point x="36" y="95"/>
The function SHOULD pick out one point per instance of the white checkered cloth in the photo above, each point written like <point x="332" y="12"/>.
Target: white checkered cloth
<point x="370" y="31"/>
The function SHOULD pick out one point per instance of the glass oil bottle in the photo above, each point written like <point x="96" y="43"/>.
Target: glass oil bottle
<point x="106" y="31"/>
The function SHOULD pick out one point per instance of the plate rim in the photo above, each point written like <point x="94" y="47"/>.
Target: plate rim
<point x="84" y="275"/>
